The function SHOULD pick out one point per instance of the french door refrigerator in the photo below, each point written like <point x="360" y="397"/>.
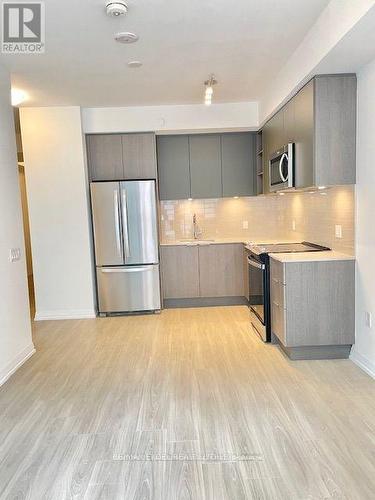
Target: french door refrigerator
<point x="126" y="246"/>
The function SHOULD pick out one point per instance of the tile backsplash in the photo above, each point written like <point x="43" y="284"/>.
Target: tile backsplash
<point x="292" y="217"/>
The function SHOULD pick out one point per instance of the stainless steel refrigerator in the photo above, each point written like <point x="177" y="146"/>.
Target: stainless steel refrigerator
<point x="126" y="246"/>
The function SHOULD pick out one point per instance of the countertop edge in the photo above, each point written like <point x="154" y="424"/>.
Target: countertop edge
<point x="311" y="257"/>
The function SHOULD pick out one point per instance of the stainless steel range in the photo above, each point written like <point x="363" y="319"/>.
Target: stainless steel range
<point x="259" y="280"/>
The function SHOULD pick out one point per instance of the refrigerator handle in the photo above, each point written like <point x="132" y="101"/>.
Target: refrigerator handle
<point x="117" y="221"/>
<point x="125" y="224"/>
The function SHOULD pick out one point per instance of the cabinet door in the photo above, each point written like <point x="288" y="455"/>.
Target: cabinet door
<point x="221" y="270"/>
<point x="335" y="129"/>
<point x="205" y="166"/>
<point x="273" y="139"/>
<point x="105" y="157"/>
<point x="180" y="271"/>
<point x="238" y="164"/>
<point x="173" y="167"/>
<point x="139" y="156"/>
<point x="304" y="136"/>
<point x="289" y="121"/>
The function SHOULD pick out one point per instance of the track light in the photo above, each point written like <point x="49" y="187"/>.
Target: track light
<point x="209" y="90"/>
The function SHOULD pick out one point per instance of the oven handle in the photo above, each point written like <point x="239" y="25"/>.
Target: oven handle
<point x="256" y="264"/>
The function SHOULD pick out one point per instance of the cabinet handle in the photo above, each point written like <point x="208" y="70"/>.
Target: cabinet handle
<point x="275" y="280"/>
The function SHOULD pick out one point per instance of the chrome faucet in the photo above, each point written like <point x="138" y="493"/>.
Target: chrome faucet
<point x="196" y="231"/>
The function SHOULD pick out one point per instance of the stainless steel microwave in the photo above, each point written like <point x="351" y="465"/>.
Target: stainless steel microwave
<point x="281" y="168"/>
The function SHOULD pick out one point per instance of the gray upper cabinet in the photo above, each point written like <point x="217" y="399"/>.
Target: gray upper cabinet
<point x="105" y="157"/>
<point x="121" y="156"/>
<point x="335" y="129"/>
<point x="174" y="167"/>
<point x="304" y="136"/>
<point x="238" y="168"/>
<point x="205" y="166"/>
<point x="139" y="156"/>
<point x="321" y="121"/>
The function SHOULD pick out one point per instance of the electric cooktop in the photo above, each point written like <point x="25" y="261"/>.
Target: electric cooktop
<point x="305" y="246"/>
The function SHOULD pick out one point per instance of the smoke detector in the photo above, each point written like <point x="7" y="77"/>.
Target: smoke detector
<point x="126" y="37"/>
<point x="116" y="8"/>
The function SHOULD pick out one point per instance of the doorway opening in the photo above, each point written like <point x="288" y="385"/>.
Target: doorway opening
<point x="25" y="211"/>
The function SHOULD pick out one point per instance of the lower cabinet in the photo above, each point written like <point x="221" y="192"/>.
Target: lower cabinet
<point x="312" y="307"/>
<point x="180" y="271"/>
<point x="214" y="270"/>
<point x="221" y="270"/>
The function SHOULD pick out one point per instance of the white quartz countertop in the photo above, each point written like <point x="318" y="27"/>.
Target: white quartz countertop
<point x="208" y="241"/>
<point x="219" y="241"/>
<point x="310" y="256"/>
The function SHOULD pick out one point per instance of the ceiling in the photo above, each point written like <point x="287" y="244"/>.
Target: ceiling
<point x="244" y="43"/>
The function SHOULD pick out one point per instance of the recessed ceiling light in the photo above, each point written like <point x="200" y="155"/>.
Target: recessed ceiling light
<point x="18" y="97"/>
<point x="134" y="64"/>
<point x="126" y="37"/>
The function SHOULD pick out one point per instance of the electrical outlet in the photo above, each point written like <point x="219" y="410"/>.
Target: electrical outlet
<point x="368" y="319"/>
<point x="338" y="231"/>
<point x="245" y="224"/>
<point x="14" y="254"/>
<point x="293" y="225"/>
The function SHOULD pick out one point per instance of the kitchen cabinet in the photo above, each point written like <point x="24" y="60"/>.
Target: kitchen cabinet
<point x="312" y="307"/>
<point x="321" y="120"/>
<point x="139" y="156"/>
<point x="203" y="271"/>
<point x="205" y="166"/>
<point x="174" y="167"/>
<point x="304" y="136"/>
<point x="105" y="157"/>
<point x="273" y="138"/>
<point x="221" y="270"/>
<point x="238" y="164"/>
<point x="121" y="156"/>
<point x="180" y="271"/>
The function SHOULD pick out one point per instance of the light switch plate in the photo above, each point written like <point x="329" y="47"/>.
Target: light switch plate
<point x="338" y="231"/>
<point x="14" y="254"/>
<point x="293" y="225"/>
<point x="245" y="224"/>
<point x="368" y="319"/>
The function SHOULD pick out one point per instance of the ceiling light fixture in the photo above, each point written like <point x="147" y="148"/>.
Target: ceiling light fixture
<point x="116" y="8"/>
<point x="18" y="97"/>
<point x="209" y="84"/>
<point x="134" y="64"/>
<point x="126" y="37"/>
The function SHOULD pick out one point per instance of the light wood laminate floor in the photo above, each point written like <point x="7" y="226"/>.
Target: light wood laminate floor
<point x="188" y="404"/>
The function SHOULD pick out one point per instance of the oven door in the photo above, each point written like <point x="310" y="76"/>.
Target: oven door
<point x="281" y="173"/>
<point x="256" y="272"/>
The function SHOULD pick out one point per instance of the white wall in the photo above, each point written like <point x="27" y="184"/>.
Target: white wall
<point x="195" y="117"/>
<point x="337" y="20"/>
<point x="59" y="218"/>
<point x="15" y="330"/>
<point x="364" y="350"/>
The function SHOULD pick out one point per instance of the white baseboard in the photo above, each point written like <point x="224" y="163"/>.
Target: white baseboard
<point x="18" y="361"/>
<point x="364" y="363"/>
<point x="67" y="314"/>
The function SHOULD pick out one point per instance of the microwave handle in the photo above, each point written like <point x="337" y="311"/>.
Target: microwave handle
<point x="281" y="169"/>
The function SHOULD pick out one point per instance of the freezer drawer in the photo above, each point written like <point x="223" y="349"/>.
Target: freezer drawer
<point x="128" y="289"/>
